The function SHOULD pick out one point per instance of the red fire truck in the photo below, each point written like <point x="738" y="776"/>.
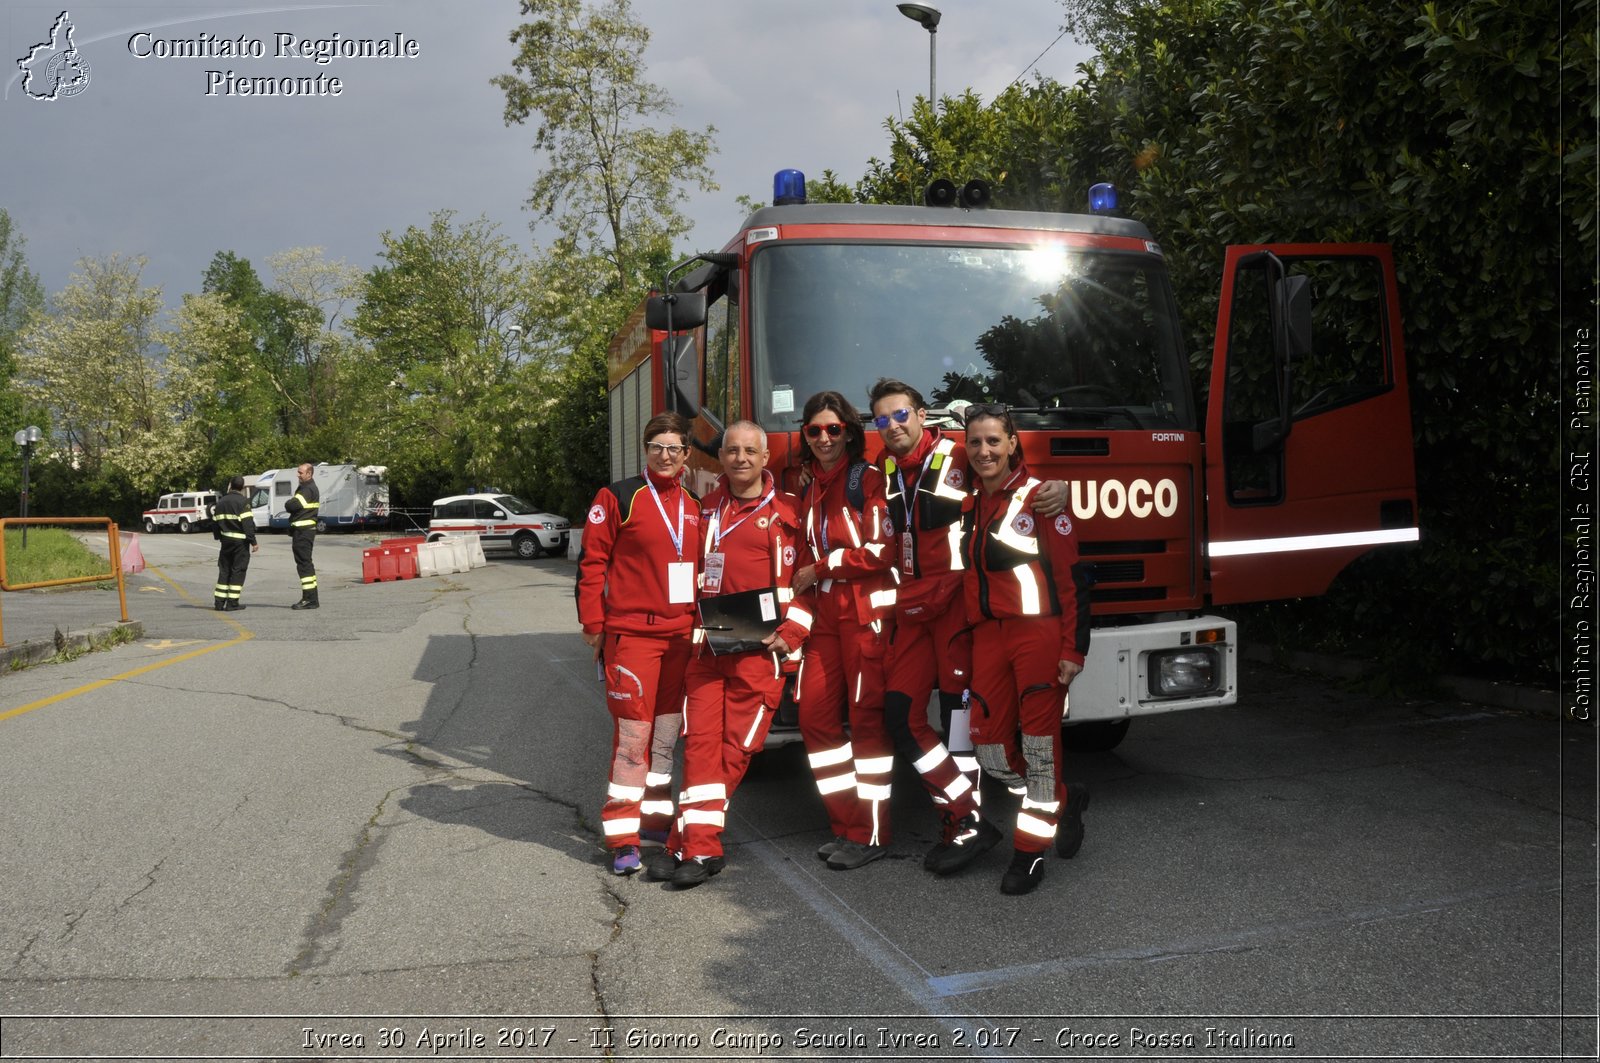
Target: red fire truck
<point x="1295" y="462"/>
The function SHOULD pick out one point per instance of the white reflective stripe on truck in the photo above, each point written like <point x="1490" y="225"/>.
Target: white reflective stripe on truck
<point x="1244" y="547"/>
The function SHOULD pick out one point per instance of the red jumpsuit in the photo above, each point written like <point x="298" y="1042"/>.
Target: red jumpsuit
<point x="636" y="579"/>
<point x="731" y="698"/>
<point x="841" y="677"/>
<point x="1028" y="597"/>
<point x="930" y="643"/>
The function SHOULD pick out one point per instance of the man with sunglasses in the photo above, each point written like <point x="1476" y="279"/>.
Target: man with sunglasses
<point x="636" y="588"/>
<point x="927" y="479"/>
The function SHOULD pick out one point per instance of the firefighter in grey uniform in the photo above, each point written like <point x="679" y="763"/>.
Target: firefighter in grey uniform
<point x="303" y="511"/>
<point x="235" y="527"/>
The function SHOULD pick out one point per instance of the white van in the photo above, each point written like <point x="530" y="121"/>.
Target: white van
<point x="186" y="511"/>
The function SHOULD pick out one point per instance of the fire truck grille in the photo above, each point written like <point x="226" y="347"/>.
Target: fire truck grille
<point x="1118" y="571"/>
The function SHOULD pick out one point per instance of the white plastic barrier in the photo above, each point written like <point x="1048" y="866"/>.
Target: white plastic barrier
<point x="438" y="558"/>
<point x="474" y="544"/>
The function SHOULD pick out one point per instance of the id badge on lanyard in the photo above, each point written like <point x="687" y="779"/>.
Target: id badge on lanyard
<point x="680" y="582"/>
<point x="680" y="574"/>
<point x="713" y="573"/>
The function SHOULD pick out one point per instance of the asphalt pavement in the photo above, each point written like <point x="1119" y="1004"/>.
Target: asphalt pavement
<point x="371" y="831"/>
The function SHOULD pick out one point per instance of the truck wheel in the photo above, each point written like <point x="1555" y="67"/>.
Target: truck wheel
<point x="527" y="546"/>
<point x="1096" y="736"/>
<point x="149" y="526"/>
<point x="322" y="526"/>
<point x="183" y="525"/>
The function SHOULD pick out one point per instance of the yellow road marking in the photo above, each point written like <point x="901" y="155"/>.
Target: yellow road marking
<point x="169" y="644"/>
<point x="244" y="635"/>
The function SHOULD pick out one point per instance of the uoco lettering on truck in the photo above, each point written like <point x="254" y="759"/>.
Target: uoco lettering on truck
<point x="1112" y="498"/>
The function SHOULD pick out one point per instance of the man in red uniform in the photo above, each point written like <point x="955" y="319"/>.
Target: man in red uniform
<point x="841" y="679"/>
<point x="1027" y="596"/>
<point x="750" y="530"/>
<point x="927" y="480"/>
<point x="636" y="587"/>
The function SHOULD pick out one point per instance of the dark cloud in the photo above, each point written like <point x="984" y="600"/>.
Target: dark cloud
<point x="144" y="161"/>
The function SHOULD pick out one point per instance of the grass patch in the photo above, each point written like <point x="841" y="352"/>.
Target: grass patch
<point x="51" y="553"/>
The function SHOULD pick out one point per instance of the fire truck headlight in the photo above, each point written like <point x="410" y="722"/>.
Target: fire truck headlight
<point x="1184" y="673"/>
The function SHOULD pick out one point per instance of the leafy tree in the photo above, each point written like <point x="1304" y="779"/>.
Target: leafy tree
<point x="615" y="171"/>
<point x="89" y="361"/>
<point x="448" y="317"/>
<point x="316" y="292"/>
<point x="613" y="183"/>
<point x="1461" y="135"/>
<point x="253" y="411"/>
<point x="21" y="298"/>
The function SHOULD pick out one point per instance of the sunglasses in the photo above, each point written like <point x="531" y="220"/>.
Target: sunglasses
<point x="984" y="409"/>
<point x="671" y="450"/>
<point x="834" y="430"/>
<point x="900" y="416"/>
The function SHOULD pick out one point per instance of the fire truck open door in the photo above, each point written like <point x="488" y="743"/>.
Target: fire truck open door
<point x="1308" y="423"/>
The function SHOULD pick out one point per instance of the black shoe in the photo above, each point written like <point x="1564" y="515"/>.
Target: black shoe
<point x="220" y="607"/>
<point x="851" y="855"/>
<point x="661" y="866"/>
<point x="829" y="847"/>
<point x="234" y="607"/>
<point x="973" y="837"/>
<point x="692" y="873"/>
<point x="1024" y="874"/>
<point x="947" y="831"/>
<point x="1069" y="838"/>
<point x="304" y="603"/>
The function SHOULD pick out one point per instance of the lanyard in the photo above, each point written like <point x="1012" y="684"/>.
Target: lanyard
<point x="908" y="499"/>
<point x="677" y="538"/>
<point x="718" y="533"/>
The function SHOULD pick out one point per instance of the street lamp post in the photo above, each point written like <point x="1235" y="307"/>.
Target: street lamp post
<point x="928" y="18"/>
<point x="26" y="438"/>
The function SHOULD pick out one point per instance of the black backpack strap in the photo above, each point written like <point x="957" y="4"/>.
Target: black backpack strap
<point x="855" y="490"/>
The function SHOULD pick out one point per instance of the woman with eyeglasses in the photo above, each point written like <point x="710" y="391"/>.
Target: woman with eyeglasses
<point x="846" y="523"/>
<point x="1027" y="597"/>
<point x="636" y="587"/>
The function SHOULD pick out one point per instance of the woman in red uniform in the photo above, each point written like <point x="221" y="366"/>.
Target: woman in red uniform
<point x="636" y="585"/>
<point x="1028" y="600"/>
<point x="841" y="678"/>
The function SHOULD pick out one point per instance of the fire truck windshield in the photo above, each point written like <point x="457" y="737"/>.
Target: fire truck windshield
<point x="1072" y="339"/>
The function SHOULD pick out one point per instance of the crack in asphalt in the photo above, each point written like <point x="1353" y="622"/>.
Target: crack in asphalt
<point x="325" y="922"/>
<point x="149" y="881"/>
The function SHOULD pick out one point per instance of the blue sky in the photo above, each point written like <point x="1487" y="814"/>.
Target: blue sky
<point x="144" y="161"/>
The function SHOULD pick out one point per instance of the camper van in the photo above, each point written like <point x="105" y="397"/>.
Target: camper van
<point x="352" y="496"/>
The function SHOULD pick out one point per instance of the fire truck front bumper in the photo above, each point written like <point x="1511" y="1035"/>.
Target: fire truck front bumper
<point x="1167" y="666"/>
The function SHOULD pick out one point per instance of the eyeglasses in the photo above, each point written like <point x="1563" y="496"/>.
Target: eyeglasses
<point x="834" y="430"/>
<point x="900" y="416"/>
<point x="984" y="409"/>
<point x="671" y="450"/>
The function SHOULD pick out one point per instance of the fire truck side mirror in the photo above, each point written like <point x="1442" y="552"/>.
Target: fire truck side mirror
<point x="676" y="312"/>
<point x="1295" y="293"/>
<point x="682" y="378"/>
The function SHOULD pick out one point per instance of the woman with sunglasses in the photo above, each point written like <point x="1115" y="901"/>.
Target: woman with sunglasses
<point x="846" y="523"/>
<point x="1027" y="597"/>
<point x="636" y="586"/>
